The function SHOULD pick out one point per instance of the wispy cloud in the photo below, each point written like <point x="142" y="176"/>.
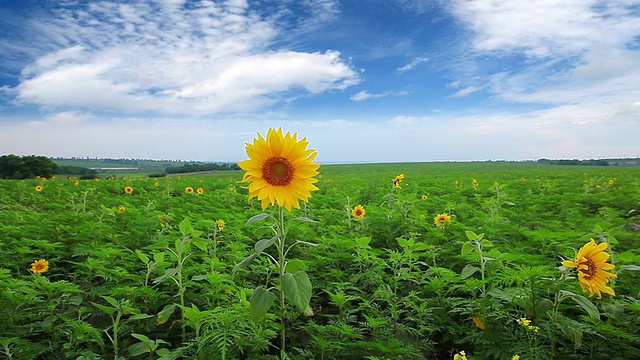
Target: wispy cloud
<point x="412" y="65"/>
<point x="365" y="95"/>
<point x="174" y="57"/>
<point x="466" y="91"/>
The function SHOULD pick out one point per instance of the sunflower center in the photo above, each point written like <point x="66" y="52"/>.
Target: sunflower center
<point x="591" y="269"/>
<point x="277" y="171"/>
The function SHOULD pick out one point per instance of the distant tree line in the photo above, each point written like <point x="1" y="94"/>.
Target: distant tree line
<point x="190" y="168"/>
<point x="75" y="170"/>
<point x="26" y="167"/>
<point x="591" y="162"/>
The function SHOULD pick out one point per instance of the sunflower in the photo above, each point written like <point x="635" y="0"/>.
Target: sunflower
<point x="424" y="197"/>
<point x="121" y="209"/>
<point x="38" y="188"/>
<point x="200" y="191"/>
<point x="220" y="224"/>
<point x="76" y="183"/>
<point x="128" y="189"/>
<point x="591" y="263"/>
<point x="479" y="323"/>
<point x="188" y="190"/>
<point x="39" y="266"/>
<point x="280" y="169"/>
<point x="156" y="183"/>
<point x="398" y="180"/>
<point x="358" y="212"/>
<point x="441" y="220"/>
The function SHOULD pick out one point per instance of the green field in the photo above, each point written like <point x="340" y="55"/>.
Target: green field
<point x="130" y="278"/>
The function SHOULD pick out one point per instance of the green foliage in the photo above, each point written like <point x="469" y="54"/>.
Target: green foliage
<point x="160" y="280"/>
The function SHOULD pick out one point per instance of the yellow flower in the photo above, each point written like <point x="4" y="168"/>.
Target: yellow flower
<point x="121" y="209"/>
<point x="280" y="169"/>
<point x="524" y="322"/>
<point x="220" y="224"/>
<point x="515" y="357"/>
<point x="460" y="356"/>
<point x="611" y="182"/>
<point x="188" y="190"/>
<point x="128" y="189"/>
<point x="398" y="180"/>
<point x="156" y="183"/>
<point x="162" y="219"/>
<point x="591" y="263"/>
<point x="200" y="191"/>
<point x="358" y="212"/>
<point x="441" y="220"/>
<point x="38" y="188"/>
<point x="39" y="266"/>
<point x="424" y="197"/>
<point x="479" y="323"/>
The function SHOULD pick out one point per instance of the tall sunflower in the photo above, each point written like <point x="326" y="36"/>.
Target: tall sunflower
<point x="441" y="220"/>
<point x="398" y="180"/>
<point x="39" y="266"/>
<point x="220" y="224"/>
<point x="591" y="263"/>
<point x="358" y="212"/>
<point x="128" y="189"/>
<point x="280" y="169"/>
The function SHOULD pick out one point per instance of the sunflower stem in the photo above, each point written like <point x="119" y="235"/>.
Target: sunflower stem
<point x="281" y="267"/>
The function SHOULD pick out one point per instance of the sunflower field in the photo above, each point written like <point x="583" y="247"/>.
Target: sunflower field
<point x="487" y="260"/>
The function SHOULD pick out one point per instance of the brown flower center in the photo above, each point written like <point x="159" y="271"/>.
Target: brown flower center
<point x="277" y="171"/>
<point x="591" y="269"/>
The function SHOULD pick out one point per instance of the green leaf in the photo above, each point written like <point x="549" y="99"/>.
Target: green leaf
<point x="467" y="248"/>
<point x="584" y="303"/>
<point x="167" y="274"/>
<point x="140" y="348"/>
<point x="113" y="302"/>
<point x="297" y="289"/>
<point x="630" y="267"/>
<point x="140" y="316"/>
<point x="106" y="309"/>
<point x="244" y="262"/>
<point x="258" y="217"/>
<point x="141" y="337"/>
<point x="306" y="243"/>
<point x="196" y="233"/>
<point x="293" y="266"/>
<point x="403" y="242"/>
<point x="142" y="256"/>
<point x="500" y="294"/>
<point x="165" y="314"/>
<point x="468" y="271"/>
<point x="200" y="243"/>
<point x="185" y="227"/>
<point x="304" y="218"/>
<point x="471" y="235"/>
<point x="263" y="244"/>
<point x="261" y="301"/>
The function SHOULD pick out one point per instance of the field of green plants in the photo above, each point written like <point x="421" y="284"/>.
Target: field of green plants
<point x="181" y="267"/>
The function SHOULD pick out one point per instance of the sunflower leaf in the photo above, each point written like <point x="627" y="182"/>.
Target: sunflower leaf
<point x="297" y="288"/>
<point x="304" y="218"/>
<point x="584" y="303"/>
<point x="261" y="301"/>
<point x="468" y="271"/>
<point x="467" y="248"/>
<point x="255" y="218"/>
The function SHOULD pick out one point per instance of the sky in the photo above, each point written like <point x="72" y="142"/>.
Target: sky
<point x="361" y="80"/>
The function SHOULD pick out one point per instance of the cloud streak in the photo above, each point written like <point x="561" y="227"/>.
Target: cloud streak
<point x="173" y="57"/>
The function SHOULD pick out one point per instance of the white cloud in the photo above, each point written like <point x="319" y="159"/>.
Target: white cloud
<point x="466" y="91"/>
<point x="547" y="27"/>
<point x="143" y="57"/>
<point x="412" y="65"/>
<point x="365" y="95"/>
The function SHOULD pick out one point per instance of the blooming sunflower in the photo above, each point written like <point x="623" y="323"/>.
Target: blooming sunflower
<point x="128" y="189"/>
<point x="156" y="183"/>
<point x="38" y="188"/>
<point x="121" y="209"/>
<point x="200" y="191"/>
<point x="39" y="266"/>
<point x="424" y="197"/>
<point x="591" y="263"/>
<point x="188" y="190"/>
<point x="358" y="212"/>
<point x="477" y="320"/>
<point x="441" y="220"/>
<point x="280" y="169"/>
<point x="220" y="224"/>
<point x="398" y="180"/>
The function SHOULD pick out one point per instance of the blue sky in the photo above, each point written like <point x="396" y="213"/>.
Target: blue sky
<point x="362" y="80"/>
